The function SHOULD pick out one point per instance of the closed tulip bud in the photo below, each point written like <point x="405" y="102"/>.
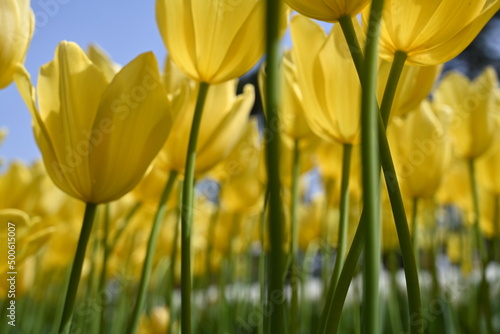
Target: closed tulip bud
<point x="97" y="137"/>
<point x="421" y="149"/>
<point x="328" y="80"/>
<point x="223" y="122"/>
<point x="473" y="106"/>
<point x="214" y="41"/>
<point x="431" y="32"/>
<point x="292" y="110"/>
<point x="414" y="86"/>
<point x="329" y="10"/>
<point x="17" y="24"/>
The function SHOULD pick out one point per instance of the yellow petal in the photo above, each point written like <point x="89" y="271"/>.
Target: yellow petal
<point x="102" y="60"/>
<point x="131" y="125"/>
<point x="327" y="10"/>
<point x="42" y="136"/>
<point x="17" y="23"/>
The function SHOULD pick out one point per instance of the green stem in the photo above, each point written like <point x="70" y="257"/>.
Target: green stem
<point x="481" y="248"/>
<point x="171" y="274"/>
<point x="187" y="212"/>
<point x="392" y="84"/>
<point x="124" y="224"/>
<point x="410" y="269"/>
<point x="76" y="269"/>
<point x="294" y="281"/>
<point x="335" y="306"/>
<point x="483" y="298"/>
<point x="371" y="173"/>
<point x="262" y="261"/>
<point x="394" y="313"/>
<point x="102" y="279"/>
<point x="276" y="263"/>
<point x="344" y="213"/>
<point x="496" y="222"/>
<point x="342" y="234"/>
<point x="148" y="261"/>
<point x="353" y="42"/>
<point x="414" y="226"/>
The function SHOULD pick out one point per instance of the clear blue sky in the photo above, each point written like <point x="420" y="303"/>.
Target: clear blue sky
<point x="123" y="28"/>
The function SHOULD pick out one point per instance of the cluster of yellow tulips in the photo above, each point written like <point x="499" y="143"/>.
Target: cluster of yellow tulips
<point x="198" y="218"/>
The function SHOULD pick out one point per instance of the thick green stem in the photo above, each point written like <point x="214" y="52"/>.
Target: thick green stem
<point x="102" y="279"/>
<point x="342" y="234"/>
<point x="276" y="263"/>
<point x="76" y="269"/>
<point x="410" y="269"/>
<point x="414" y="226"/>
<point x="392" y="84"/>
<point x="187" y="212"/>
<point x="148" y="261"/>
<point x="295" y="279"/>
<point x="171" y="271"/>
<point x="371" y="174"/>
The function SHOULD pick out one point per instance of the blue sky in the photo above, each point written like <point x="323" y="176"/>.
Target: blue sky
<point x="123" y="28"/>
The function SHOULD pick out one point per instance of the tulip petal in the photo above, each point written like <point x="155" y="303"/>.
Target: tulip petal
<point x="135" y="107"/>
<point x="42" y="136"/>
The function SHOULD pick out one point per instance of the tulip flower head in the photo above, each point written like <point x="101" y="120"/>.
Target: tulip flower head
<point x="473" y="107"/>
<point x="17" y="23"/>
<point x="97" y="137"/>
<point x="213" y="41"/>
<point x="421" y="148"/>
<point x="328" y="80"/>
<point x="431" y="32"/>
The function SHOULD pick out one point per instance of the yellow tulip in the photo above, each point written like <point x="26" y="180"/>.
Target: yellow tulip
<point x="213" y="41"/>
<point x="328" y="80"/>
<point x="329" y="161"/>
<point x="415" y="84"/>
<point x="240" y="171"/>
<point x="13" y="185"/>
<point x="328" y="10"/>
<point x="455" y="188"/>
<point x="421" y="149"/>
<point x="17" y="23"/>
<point x="97" y="137"/>
<point x="431" y="32"/>
<point x="223" y="122"/>
<point x="292" y="110"/>
<point x="156" y="323"/>
<point x="490" y="214"/>
<point x="488" y="165"/>
<point x="473" y="107"/>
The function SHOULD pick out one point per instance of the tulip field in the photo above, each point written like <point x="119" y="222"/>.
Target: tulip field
<point x="363" y="198"/>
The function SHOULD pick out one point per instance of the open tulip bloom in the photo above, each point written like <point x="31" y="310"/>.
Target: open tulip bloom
<point x="97" y="136"/>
